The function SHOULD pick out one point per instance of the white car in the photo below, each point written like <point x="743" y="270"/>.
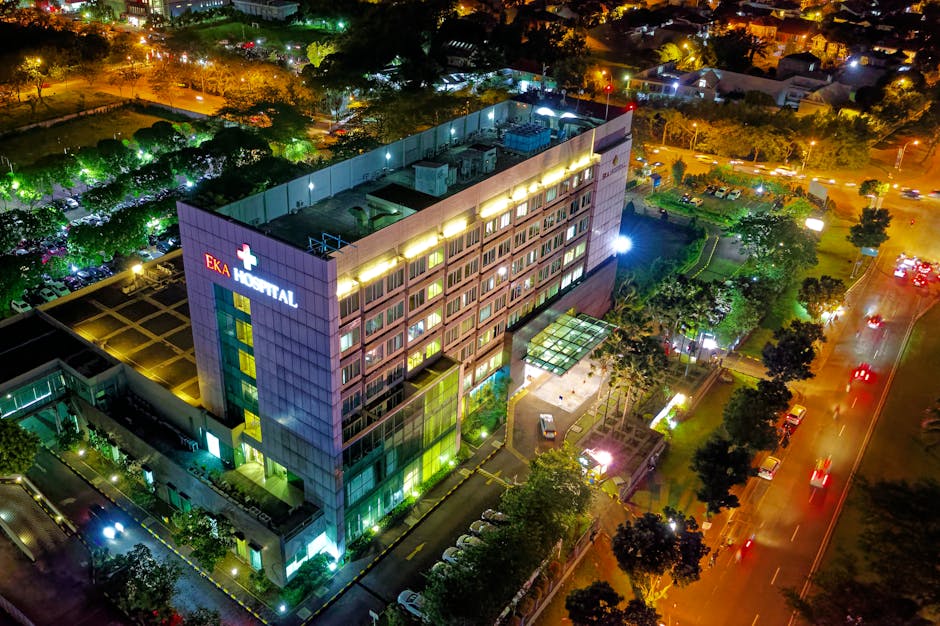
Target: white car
<point x="451" y="555"/>
<point x="481" y="528"/>
<point x="696" y="201"/>
<point x="465" y="541"/>
<point x="722" y="192"/>
<point x="494" y="517"/>
<point x="768" y="469"/>
<point x="47" y="294"/>
<point x="20" y="306"/>
<point x="734" y="194"/>
<point x="547" y="425"/>
<point x="704" y="158"/>
<point x="413" y="602"/>
<point x="59" y="288"/>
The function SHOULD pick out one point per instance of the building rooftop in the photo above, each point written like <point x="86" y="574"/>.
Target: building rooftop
<point x="355" y="198"/>
<point x="30" y="341"/>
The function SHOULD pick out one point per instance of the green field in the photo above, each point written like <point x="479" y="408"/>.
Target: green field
<point x="272" y="35"/>
<point x="897" y="450"/>
<point x="675" y="484"/>
<point x="55" y="103"/>
<point x="25" y="148"/>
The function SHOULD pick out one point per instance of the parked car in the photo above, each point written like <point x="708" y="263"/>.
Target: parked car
<point x="734" y="194"/>
<point x="74" y="283"/>
<point x="413" y="602"/>
<point x="696" y="201"/>
<point x="796" y="414"/>
<point x="494" y="517"/>
<point x="59" y="288"/>
<point x="20" y="306"/>
<point x="710" y="190"/>
<point x="440" y="568"/>
<point x="465" y="541"/>
<point x="686" y="198"/>
<point x="48" y="295"/>
<point x="722" y="192"/>
<point x="452" y="555"/>
<point x="481" y="528"/>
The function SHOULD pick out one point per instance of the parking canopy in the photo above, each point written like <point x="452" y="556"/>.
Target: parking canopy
<point x="566" y="341"/>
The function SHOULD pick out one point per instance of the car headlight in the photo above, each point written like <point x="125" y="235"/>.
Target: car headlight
<point x="118" y="526"/>
<point x="108" y="532"/>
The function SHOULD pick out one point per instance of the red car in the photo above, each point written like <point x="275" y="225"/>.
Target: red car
<point x="920" y="280"/>
<point x="875" y="321"/>
<point x="820" y="477"/>
<point x="863" y="373"/>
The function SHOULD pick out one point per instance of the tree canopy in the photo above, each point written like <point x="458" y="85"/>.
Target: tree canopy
<point x="871" y="230"/>
<point x="791" y="357"/>
<point x="720" y="465"/>
<point x="821" y="295"/>
<point x="18" y="448"/>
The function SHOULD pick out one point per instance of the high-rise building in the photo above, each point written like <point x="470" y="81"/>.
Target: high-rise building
<point x="341" y="320"/>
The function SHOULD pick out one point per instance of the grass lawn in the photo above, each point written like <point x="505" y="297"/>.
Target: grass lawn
<point x="896" y="450"/>
<point x="720" y="269"/>
<point x="55" y="103"/>
<point x="674" y="484"/>
<point x="652" y="239"/>
<point x="273" y="35"/>
<point x="25" y="148"/>
<point x="718" y="210"/>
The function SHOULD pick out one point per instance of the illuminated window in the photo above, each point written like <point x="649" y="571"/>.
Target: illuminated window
<point x="349" y="340"/>
<point x="244" y="333"/>
<point x="416" y="330"/>
<point x="504" y="219"/>
<point x="432" y="348"/>
<point x="434" y="319"/>
<point x="522" y="209"/>
<point x="241" y="303"/>
<point x="436" y="258"/>
<point x="435" y="288"/>
<point x="252" y="425"/>
<point x="249" y="392"/>
<point x="246" y="363"/>
<point x="415" y="359"/>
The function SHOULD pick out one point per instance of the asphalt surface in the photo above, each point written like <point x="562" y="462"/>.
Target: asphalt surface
<point x="790" y="521"/>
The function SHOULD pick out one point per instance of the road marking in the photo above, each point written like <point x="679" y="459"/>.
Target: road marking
<point x="495" y="476"/>
<point x="812" y="494"/>
<point x="842" y="430"/>
<point x="415" y="551"/>
<point x="854" y="401"/>
<point x="40" y="467"/>
<point x="464" y="471"/>
<point x="492" y="477"/>
<point x="774" y="579"/>
<point x="756" y="617"/>
<point x="795" y="530"/>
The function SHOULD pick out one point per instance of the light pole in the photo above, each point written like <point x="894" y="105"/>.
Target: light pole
<point x="694" y="136"/>
<point x="901" y="151"/>
<point x="607" y="89"/>
<point x="807" y="154"/>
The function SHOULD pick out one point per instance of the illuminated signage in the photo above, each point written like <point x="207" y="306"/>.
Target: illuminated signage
<point x="246" y="278"/>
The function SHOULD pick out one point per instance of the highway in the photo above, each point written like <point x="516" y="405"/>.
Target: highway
<point x="789" y="520"/>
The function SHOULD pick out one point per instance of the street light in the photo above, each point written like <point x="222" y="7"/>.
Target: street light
<point x="901" y="151"/>
<point x="807" y="154"/>
<point x="694" y="136"/>
<point x="607" y="89"/>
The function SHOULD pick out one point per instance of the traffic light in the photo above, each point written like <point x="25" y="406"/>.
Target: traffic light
<point x="608" y="88"/>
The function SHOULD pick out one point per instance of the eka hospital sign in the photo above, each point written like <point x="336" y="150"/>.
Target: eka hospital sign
<point x="247" y="278"/>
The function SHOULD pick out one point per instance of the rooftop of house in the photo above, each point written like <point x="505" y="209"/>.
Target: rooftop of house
<point x="32" y="340"/>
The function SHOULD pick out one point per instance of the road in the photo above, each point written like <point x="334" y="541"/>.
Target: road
<point x="789" y="520"/>
<point x="73" y="496"/>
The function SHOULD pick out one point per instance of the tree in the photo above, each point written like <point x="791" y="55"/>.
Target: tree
<point x="872" y="188"/>
<point x="678" y="171"/>
<point x="203" y="617"/>
<point x="720" y="465"/>
<point x="748" y="419"/>
<point x="899" y="536"/>
<point x="144" y="586"/>
<point x="777" y="244"/>
<point x="821" y="295"/>
<point x="638" y="613"/>
<point x="595" y="605"/>
<point x="872" y="228"/>
<point x="319" y="50"/>
<point x="18" y="448"/>
<point x="656" y="545"/>
<point x="790" y="358"/>
<point x="210" y="537"/>
<point x="840" y="597"/>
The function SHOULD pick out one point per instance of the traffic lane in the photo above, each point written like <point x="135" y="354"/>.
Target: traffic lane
<point x="352" y="608"/>
<point x="405" y="566"/>
<point x="74" y="496"/>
